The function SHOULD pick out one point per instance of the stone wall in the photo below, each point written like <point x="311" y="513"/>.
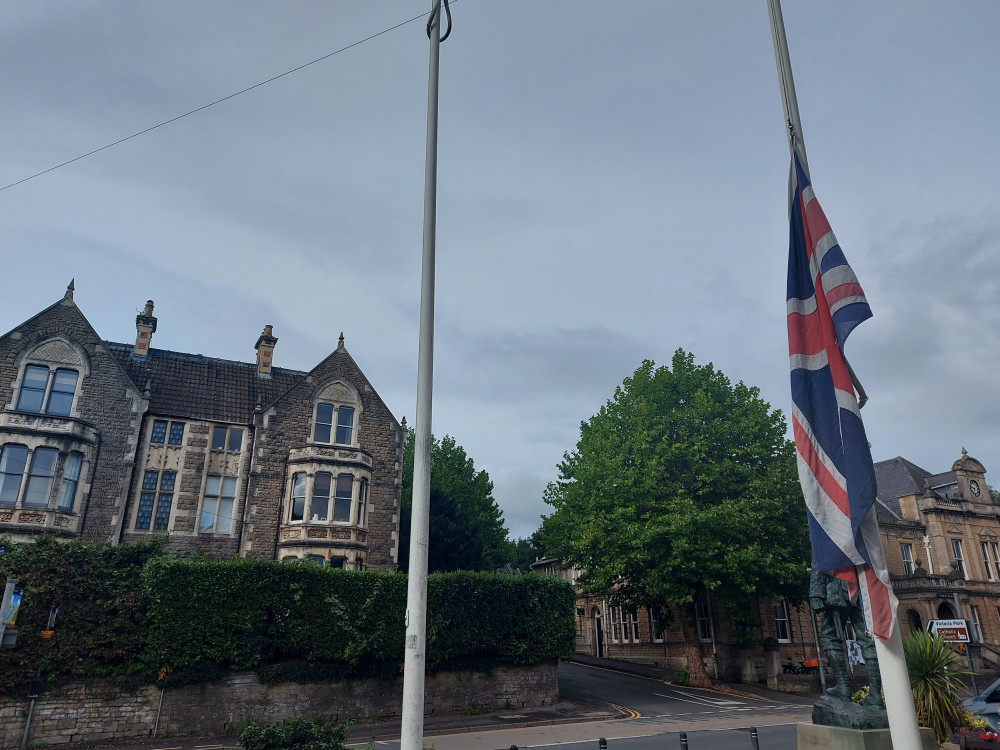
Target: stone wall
<point x="96" y="711"/>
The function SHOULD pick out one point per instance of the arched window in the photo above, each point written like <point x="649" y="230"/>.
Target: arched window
<point x="335" y="414"/>
<point x="916" y="624"/>
<point x="55" y="390"/>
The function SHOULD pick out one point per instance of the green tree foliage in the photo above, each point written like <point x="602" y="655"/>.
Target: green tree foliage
<point x="682" y="482"/>
<point x="528" y="549"/>
<point x="466" y="527"/>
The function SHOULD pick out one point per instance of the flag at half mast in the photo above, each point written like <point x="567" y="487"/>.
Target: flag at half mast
<point x="825" y="303"/>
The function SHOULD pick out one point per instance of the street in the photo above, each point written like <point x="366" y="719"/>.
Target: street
<point x="659" y="712"/>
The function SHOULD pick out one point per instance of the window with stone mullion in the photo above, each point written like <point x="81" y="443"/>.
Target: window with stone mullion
<point x="164" y="501"/>
<point x="319" y="504"/>
<point x="70" y="480"/>
<point x="33" y="386"/>
<point x="343" y="497"/>
<point x="298" y="497"/>
<point x="13" y="461"/>
<point x="43" y="469"/>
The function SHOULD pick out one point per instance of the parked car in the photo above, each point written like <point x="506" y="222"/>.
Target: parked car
<point x="987" y="705"/>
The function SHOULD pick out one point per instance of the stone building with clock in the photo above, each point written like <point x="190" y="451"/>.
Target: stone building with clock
<point x="112" y="442"/>
<point x="941" y="536"/>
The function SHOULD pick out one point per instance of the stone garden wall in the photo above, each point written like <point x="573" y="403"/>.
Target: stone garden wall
<point x="84" y="712"/>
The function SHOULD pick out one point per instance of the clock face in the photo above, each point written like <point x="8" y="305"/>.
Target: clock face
<point x="974" y="487"/>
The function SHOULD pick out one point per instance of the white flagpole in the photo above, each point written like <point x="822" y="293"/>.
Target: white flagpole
<point x="891" y="662"/>
<point x="414" y="662"/>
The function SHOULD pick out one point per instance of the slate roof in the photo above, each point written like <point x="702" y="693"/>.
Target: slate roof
<point x="197" y="387"/>
<point x="897" y="477"/>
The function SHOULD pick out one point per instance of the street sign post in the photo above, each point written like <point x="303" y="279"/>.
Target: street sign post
<point x="952" y="631"/>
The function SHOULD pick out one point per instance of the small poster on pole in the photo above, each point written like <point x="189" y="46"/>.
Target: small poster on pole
<point x="10" y="616"/>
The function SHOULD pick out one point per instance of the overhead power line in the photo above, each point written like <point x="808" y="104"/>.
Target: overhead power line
<point x="217" y="101"/>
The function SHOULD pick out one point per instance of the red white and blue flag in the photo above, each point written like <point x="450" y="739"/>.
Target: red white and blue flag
<point x="825" y="303"/>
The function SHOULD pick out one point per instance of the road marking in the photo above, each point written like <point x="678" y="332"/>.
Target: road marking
<point x="632" y="713"/>
<point x="716" y="701"/>
<point x="685" y="700"/>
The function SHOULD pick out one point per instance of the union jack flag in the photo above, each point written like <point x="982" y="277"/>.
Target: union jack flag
<point x="825" y="303"/>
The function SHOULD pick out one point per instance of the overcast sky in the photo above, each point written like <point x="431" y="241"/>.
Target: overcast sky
<point x="612" y="187"/>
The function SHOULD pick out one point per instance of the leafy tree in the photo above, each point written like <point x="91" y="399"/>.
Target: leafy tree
<point x="466" y="526"/>
<point x="526" y="550"/>
<point x="682" y="483"/>
<point x="994" y="493"/>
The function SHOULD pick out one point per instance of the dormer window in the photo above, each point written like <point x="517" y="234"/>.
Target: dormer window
<point x="40" y="386"/>
<point x="336" y="421"/>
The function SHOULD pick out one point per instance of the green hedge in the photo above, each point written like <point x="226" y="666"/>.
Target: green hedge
<point x="243" y="614"/>
<point x="130" y="612"/>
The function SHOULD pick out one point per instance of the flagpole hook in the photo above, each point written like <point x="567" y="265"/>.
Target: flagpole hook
<point x="433" y="19"/>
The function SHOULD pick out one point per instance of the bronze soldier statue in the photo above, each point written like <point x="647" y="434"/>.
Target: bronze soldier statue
<point x="829" y="596"/>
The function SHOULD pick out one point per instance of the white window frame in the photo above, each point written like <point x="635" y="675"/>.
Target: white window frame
<point x="630" y="620"/>
<point x="216" y="497"/>
<point x="652" y="627"/>
<point x="779" y="610"/>
<point x="958" y="551"/>
<point x="334" y="424"/>
<point x="906" y="553"/>
<point x="987" y="563"/>
<point x="977" y="623"/>
<point x="613" y="614"/>
<point x="356" y="512"/>
<point x="69" y="484"/>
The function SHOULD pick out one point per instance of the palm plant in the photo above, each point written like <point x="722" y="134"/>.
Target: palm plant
<point x="934" y="667"/>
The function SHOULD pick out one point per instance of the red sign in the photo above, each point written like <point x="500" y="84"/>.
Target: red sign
<point x="953" y="631"/>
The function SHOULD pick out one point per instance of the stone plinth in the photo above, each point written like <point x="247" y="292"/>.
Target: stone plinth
<point x="819" y="737"/>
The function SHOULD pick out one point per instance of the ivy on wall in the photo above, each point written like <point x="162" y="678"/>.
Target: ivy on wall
<point x="100" y="627"/>
<point x="131" y="612"/>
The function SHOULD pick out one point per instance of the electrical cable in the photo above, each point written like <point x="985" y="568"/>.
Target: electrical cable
<point x="230" y="96"/>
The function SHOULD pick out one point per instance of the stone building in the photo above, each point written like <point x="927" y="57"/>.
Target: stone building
<point x="111" y="442"/>
<point x="941" y="536"/>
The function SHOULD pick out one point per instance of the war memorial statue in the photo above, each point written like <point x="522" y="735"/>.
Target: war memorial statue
<point x="829" y="596"/>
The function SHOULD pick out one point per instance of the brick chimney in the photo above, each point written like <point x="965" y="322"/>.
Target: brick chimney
<point x="265" y="350"/>
<point x="145" y="326"/>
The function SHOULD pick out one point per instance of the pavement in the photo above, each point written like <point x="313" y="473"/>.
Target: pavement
<point x="440" y="725"/>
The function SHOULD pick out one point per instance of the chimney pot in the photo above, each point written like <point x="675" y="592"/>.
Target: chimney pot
<point x="265" y="351"/>
<point x="145" y="327"/>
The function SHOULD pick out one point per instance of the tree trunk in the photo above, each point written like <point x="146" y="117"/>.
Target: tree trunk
<point x="692" y="646"/>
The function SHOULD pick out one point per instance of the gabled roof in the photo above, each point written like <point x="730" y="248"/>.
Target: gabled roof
<point x="898" y="477"/>
<point x="197" y="387"/>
